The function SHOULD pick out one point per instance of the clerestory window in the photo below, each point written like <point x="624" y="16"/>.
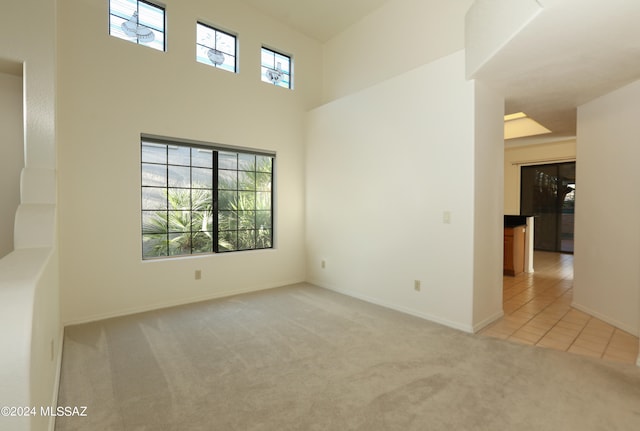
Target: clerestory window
<point x="216" y="48"/>
<point x="138" y="21"/>
<point x="276" y="68"/>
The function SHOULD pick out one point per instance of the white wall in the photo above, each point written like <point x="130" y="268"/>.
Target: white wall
<point x="488" y="237"/>
<point x="29" y="312"/>
<point x="607" y="248"/>
<point x="11" y="156"/>
<point x="382" y="167"/>
<point x="491" y="24"/>
<point x="111" y="92"/>
<point x="515" y="157"/>
<point x="397" y="37"/>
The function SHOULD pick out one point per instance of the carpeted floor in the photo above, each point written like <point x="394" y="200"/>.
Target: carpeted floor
<point x="304" y="358"/>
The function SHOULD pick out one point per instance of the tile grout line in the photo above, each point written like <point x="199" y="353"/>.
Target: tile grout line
<point x="608" y="343"/>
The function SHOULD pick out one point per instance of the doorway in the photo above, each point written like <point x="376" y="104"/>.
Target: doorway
<point x="548" y="192"/>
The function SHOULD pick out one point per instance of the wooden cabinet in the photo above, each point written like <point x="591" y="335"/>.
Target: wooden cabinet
<point x="514" y="250"/>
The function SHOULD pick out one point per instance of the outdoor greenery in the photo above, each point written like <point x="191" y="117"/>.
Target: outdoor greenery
<point x="244" y="212"/>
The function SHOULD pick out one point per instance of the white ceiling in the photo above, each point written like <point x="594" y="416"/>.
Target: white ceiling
<point x="574" y="51"/>
<point x="319" y="19"/>
<point x="571" y="53"/>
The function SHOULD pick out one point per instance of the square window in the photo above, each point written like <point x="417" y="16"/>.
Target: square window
<point x="138" y="21"/>
<point x="276" y="68"/>
<point x="216" y="48"/>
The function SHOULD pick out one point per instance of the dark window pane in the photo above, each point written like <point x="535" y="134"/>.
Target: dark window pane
<point x="547" y="192"/>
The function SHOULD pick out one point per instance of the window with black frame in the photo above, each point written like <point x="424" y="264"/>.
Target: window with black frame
<point x="138" y="21"/>
<point x="216" y="48"/>
<point x="198" y="199"/>
<point x="276" y="68"/>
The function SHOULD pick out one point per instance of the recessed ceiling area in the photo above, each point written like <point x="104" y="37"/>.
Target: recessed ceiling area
<point x="572" y="52"/>
<point x="519" y="125"/>
<point x="318" y="19"/>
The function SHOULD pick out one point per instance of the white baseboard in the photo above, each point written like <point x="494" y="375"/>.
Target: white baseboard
<point x="488" y="321"/>
<point x="176" y="303"/>
<point x="56" y="381"/>
<point x="396" y="307"/>
<point x="609" y="320"/>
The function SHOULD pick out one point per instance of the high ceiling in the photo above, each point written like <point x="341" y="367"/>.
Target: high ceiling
<point x="319" y="19"/>
<point x="572" y="52"/>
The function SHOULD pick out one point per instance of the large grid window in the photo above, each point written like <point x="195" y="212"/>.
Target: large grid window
<point x="197" y="199"/>
<point x="216" y="48"/>
<point x="138" y="21"/>
<point x="276" y="68"/>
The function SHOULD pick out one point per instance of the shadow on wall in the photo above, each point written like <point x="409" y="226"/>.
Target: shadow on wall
<point x="11" y="149"/>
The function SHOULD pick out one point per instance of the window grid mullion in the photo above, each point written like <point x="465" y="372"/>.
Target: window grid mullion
<point x="167" y="200"/>
<point x="241" y="235"/>
<point x="214" y="207"/>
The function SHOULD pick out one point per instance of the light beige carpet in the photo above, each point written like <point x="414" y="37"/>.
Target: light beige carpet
<point x="304" y="358"/>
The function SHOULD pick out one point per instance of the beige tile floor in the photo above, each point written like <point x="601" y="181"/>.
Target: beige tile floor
<point x="537" y="311"/>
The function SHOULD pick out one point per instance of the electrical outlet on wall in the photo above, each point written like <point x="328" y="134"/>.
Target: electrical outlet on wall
<point x="198" y="274"/>
<point x="416" y="285"/>
<point x="323" y="264"/>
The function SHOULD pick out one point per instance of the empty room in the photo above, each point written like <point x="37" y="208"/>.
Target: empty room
<point x="289" y="215"/>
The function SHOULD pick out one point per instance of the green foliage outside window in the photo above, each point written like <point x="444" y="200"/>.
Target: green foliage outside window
<point x="180" y="220"/>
